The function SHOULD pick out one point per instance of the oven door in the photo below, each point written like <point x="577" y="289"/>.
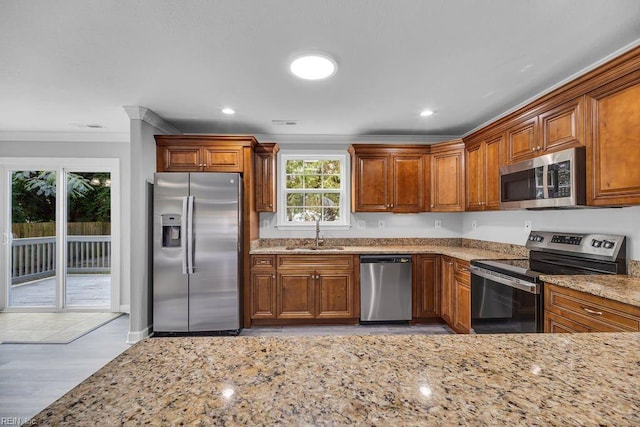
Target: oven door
<point x="502" y="304"/>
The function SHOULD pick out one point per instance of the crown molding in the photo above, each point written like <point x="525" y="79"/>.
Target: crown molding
<point x="148" y="116"/>
<point x="64" y="136"/>
<point x="558" y="85"/>
<point x="332" y="139"/>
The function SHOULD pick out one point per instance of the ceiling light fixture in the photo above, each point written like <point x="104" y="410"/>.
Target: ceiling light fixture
<point x="426" y="113"/>
<point x="315" y="66"/>
<point x="228" y="110"/>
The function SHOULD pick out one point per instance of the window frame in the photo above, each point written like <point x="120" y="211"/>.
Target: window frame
<point x="345" y="209"/>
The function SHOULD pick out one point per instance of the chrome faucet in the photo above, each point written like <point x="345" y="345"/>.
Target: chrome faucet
<point x="319" y="241"/>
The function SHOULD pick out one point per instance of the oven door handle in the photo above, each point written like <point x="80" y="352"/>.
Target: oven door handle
<point x="503" y="279"/>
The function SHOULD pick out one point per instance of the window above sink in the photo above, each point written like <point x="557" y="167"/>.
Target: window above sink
<point x="313" y="186"/>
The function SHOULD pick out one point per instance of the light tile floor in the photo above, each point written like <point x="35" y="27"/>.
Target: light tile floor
<point x="32" y="376"/>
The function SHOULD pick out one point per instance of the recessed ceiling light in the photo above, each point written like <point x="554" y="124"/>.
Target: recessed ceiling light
<point x="426" y="113"/>
<point x="228" y="111"/>
<point x="313" y="67"/>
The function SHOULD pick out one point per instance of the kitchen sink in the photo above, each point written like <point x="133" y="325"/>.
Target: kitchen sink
<point x="313" y="248"/>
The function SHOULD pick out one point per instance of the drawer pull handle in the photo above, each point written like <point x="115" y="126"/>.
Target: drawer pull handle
<point x="599" y="313"/>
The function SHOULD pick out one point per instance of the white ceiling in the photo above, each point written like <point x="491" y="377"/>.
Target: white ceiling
<point x="64" y="63"/>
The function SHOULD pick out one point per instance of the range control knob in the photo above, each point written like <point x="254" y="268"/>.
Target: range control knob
<point x="607" y="244"/>
<point x="539" y="238"/>
<point x="596" y="243"/>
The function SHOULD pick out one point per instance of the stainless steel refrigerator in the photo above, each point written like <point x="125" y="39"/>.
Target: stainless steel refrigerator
<point x="196" y="241"/>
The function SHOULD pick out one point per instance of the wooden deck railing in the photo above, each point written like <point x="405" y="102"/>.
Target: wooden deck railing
<point x="35" y="257"/>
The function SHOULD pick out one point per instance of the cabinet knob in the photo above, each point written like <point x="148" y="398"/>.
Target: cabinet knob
<point x="270" y="205"/>
<point x="431" y="205"/>
<point x="391" y="206"/>
<point x="273" y="276"/>
<point x="533" y="149"/>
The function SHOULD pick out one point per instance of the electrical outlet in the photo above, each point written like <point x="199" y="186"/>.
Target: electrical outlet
<point x="438" y="223"/>
<point x="361" y="224"/>
<point x="265" y="223"/>
<point x="474" y="225"/>
<point x="527" y="226"/>
<point x="381" y="223"/>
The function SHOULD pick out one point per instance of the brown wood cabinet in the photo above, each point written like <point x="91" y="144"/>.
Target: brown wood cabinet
<point x="292" y="288"/>
<point x="555" y="129"/>
<point x="483" y="173"/>
<point x="201" y="153"/>
<point x="462" y="297"/>
<point x="426" y="287"/>
<point x="447" y="177"/>
<point x="263" y="287"/>
<point x="389" y="178"/>
<point x="568" y="310"/>
<point x="447" y="299"/>
<point x="613" y="143"/>
<point x="265" y="176"/>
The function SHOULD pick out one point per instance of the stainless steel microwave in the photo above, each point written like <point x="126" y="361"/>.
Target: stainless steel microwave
<point x="555" y="180"/>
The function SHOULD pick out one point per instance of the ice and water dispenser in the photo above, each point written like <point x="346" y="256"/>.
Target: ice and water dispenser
<point x="171" y="230"/>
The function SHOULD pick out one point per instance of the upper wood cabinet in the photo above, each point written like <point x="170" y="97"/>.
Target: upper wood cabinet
<point x="201" y="153"/>
<point x="556" y="128"/>
<point x="265" y="176"/>
<point x="613" y="143"/>
<point x="483" y="173"/>
<point x="389" y="178"/>
<point x="447" y="177"/>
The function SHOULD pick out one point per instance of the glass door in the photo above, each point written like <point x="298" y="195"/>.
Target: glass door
<point x="88" y="240"/>
<point x="57" y="244"/>
<point x="33" y="241"/>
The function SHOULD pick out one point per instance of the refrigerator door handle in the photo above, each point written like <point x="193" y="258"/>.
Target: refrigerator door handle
<point x="190" y="266"/>
<point x="183" y="241"/>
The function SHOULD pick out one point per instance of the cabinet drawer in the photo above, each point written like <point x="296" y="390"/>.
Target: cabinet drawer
<point x="316" y="261"/>
<point x="559" y="325"/>
<point x="599" y="314"/>
<point x="462" y="271"/>
<point x="263" y="261"/>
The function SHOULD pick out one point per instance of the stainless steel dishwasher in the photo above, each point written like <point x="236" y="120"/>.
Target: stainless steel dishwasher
<point x="385" y="288"/>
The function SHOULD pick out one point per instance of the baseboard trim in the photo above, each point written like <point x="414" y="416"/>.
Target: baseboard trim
<point x="135" y="336"/>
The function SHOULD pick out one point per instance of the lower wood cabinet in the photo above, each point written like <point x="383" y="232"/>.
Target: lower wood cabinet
<point x="456" y="294"/>
<point x="304" y="287"/>
<point x="426" y="295"/>
<point x="568" y="310"/>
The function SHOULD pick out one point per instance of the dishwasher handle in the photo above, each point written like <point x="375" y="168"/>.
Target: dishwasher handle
<point x="381" y="259"/>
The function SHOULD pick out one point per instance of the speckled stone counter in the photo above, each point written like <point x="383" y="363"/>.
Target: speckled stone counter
<point x="542" y="379"/>
<point x="467" y="254"/>
<point x="620" y="288"/>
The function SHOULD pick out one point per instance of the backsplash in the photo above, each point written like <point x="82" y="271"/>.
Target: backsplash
<point x="506" y="248"/>
<point x="633" y="267"/>
<point x="268" y="243"/>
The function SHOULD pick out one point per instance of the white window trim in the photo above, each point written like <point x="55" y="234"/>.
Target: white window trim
<point x="345" y="212"/>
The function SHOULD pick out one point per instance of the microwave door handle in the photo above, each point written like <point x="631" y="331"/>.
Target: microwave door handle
<point x="545" y="181"/>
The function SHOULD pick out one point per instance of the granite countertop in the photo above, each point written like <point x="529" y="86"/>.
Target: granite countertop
<point x="467" y="254"/>
<point x="618" y="287"/>
<point x="522" y="379"/>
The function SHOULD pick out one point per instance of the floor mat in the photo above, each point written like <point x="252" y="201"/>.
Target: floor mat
<point x="49" y="328"/>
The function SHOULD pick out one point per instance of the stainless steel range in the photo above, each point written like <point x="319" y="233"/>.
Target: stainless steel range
<point x="506" y="295"/>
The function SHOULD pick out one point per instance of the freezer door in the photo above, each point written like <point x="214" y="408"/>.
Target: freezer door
<point x="170" y="281"/>
<point x="214" y="299"/>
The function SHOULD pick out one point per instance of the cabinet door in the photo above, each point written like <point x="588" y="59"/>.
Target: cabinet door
<point x="179" y="158"/>
<point x="562" y="127"/>
<point x="462" y="308"/>
<point x="475" y="177"/>
<point x="265" y="182"/>
<point x="427" y="301"/>
<point x="295" y="298"/>
<point x="492" y="152"/>
<point x="223" y="158"/>
<point x="334" y="294"/>
<point x="447" y="181"/>
<point x="408" y="182"/>
<point x="613" y="143"/>
<point x="371" y="187"/>
<point x="263" y="295"/>
<point x="446" y="303"/>
<point x="522" y="141"/>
